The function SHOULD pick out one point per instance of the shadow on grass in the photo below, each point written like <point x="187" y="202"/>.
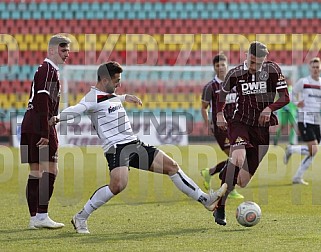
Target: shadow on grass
<point x="20" y="235"/>
<point x="141" y="235"/>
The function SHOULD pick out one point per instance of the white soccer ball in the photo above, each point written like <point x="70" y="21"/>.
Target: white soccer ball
<point x="248" y="214"/>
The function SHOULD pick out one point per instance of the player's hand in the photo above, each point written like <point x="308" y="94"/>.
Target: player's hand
<point x="43" y="142"/>
<point x="53" y="120"/>
<point x="300" y="104"/>
<point x="211" y="127"/>
<point x="265" y="116"/>
<point x="220" y="121"/>
<point x="133" y="99"/>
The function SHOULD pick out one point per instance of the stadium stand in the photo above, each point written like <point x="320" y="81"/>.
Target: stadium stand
<point x="131" y="31"/>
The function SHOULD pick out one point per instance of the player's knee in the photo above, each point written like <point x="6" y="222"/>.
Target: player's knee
<point x="117" y="186"/>
<point x="53" y="168"/>
<point x="243" y="178"/>
<point x="37" y="174"/>
<point x="242" y="183"/>
<point x="313" y="151"/>
<point x="171" y="168"/>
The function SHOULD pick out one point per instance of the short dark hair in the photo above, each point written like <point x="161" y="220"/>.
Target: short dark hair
<point x="108" y="70"/>
<point x="219" y="57"/>
<point x="258" y="49"/>
<point x="315" y="60"/>
<point x="60" y="40"/>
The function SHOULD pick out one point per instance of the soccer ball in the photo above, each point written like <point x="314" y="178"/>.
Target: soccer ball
<point x="248" y="214"/>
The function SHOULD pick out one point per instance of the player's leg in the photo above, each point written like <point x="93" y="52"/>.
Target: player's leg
<point x="301" y="149"/>
<point x="118" y="182"/>
<point x="305" y="164"/>
<point x="229" y="176"/>
<point x="48" y="165"/>
<point x="29" y="154"/>
<point x="32" y="192"/>
<point x="239" y="138"/>
<point x="118" y="162"/>
<point x="311" y="135"/>
<point x="36" y="189"/>
<point x="245" y="160"/>
<point x="46" y="187"/>
<point x="207" y="173"/>
<point x="164" y="164"/>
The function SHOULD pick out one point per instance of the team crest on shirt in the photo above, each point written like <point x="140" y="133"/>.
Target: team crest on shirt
<point x="263" y="76"/>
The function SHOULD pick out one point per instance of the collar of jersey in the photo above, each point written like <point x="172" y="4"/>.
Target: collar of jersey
<point x="51" y="63"/>
<point x="246" y="68"/>
<point x="218" y="79"/>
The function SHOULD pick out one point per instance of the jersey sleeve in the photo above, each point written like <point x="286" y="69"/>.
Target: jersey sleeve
<point x="281" y="88"/>
<point x="87" y="103"/>
<point x="207" y="93"/>
<point x="227" y="85"/>
<point x="42" y="100"/>
<point x="42" y="79"/>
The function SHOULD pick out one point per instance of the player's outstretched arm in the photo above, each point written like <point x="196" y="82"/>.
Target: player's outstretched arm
<point x="133" y="99"/>
<point x="68" y="114"/>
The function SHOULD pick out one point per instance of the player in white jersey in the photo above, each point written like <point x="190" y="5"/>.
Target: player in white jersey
<point x="122" y="148"/>
<point x="307" y="95"/>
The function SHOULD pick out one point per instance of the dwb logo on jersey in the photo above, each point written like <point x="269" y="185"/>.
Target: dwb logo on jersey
<point x="258" y="87"/>
<point x="114" y="108"/>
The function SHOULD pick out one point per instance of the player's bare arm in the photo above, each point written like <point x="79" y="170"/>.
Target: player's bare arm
<point x="133" y="99"/>
<point x="265" y="116"/>
<point x="221" y="121"/>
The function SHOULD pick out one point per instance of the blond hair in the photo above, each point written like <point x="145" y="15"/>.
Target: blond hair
<point x="60" y="40"/>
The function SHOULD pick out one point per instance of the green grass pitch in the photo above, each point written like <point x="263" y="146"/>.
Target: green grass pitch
<point x="152" y="215"/>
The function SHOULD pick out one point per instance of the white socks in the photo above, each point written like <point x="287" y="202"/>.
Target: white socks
<point x="301" y="149"/>
<point x="303" y="167"/>
<point x="180" y="179"/>
<point x="41" y="216"/>
<point x="188" y="186"/>
<point x="100" y="197"/>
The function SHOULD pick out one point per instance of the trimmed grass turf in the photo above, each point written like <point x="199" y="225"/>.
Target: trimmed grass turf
<point x="152" y="215"/>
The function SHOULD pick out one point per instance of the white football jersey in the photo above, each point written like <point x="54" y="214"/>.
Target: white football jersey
<point x="308" y="90"/>
<point x="108" y="116"/>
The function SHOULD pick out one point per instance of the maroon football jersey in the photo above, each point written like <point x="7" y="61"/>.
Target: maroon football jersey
<point x="43" y="100"/>
<point x="229" y="101"/>
<point x="255" y="91"/>
<point x="210" y="94"/>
